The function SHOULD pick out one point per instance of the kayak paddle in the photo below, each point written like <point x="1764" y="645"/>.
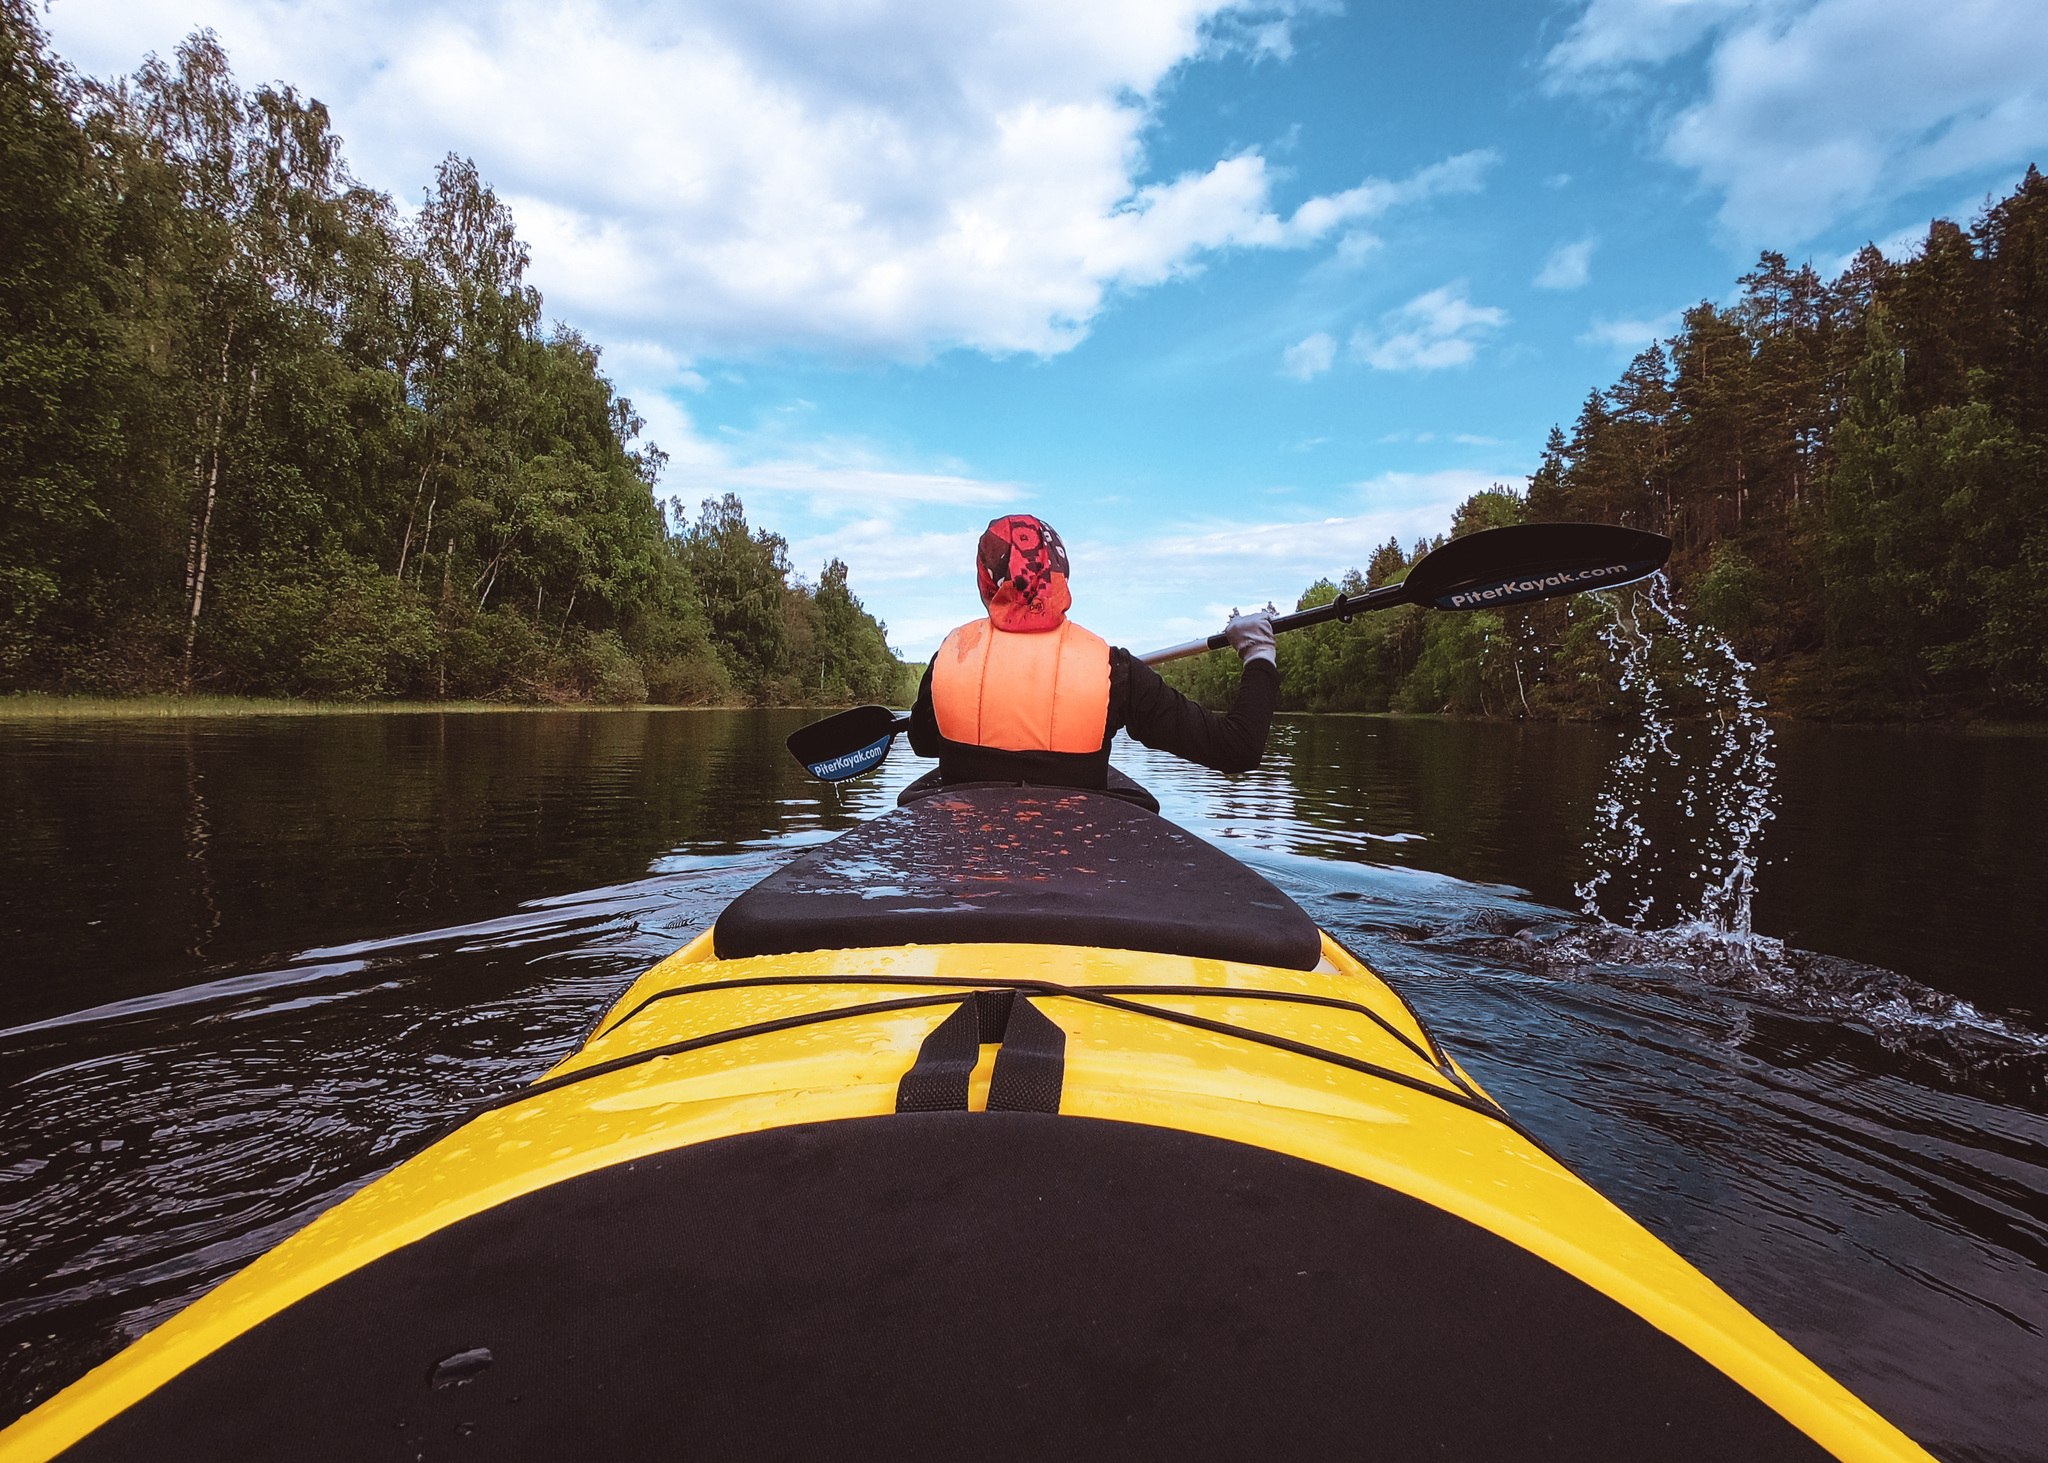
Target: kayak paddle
<point x="1484" y="570"/>
<point x="848" y="744"/>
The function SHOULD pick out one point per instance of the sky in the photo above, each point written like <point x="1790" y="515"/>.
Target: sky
<point x="1226" y="293"/>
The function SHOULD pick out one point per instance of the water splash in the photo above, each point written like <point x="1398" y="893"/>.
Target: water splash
<point x="1670" y="896"/>
<point x="1725" y="794"/>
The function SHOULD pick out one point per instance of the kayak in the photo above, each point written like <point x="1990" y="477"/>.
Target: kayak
<point x="1015" y="1122"/>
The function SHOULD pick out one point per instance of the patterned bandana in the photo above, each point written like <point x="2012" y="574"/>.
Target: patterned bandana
<point x="1021" y="570"/>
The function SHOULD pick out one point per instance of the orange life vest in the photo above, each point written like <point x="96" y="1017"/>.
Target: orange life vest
<point x="1045" y="692"/>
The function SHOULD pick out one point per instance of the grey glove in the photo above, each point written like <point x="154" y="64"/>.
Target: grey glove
<point x="1251" y="636"/>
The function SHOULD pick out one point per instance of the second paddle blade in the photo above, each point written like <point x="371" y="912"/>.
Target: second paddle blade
<point x="845" y="745"/>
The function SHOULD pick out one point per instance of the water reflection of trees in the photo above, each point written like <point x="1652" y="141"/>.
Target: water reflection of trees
<point x="270" y="835"/>
<point x="143" y="857"/>
<point x="1481" y="800"/>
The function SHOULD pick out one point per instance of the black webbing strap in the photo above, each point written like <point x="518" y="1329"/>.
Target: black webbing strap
<point x="1030" y="1065"/>
<point x="937" y="1080"/>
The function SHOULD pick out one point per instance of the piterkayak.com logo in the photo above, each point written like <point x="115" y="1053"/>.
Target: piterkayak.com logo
<point x="852" y="761"/>
<point x="1515" y="588"/>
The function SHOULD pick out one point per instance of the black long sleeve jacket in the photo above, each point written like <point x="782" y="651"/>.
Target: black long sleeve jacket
<point x="1139" y="702"/>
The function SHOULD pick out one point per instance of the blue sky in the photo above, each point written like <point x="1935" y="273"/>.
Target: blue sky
<point x="1226" y="293"/>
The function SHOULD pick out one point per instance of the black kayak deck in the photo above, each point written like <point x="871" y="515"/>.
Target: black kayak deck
<point x="1009" y="865"/>
<point x="955" y="1285"/>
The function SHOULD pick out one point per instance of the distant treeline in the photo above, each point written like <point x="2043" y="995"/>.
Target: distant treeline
<point x="1855" y="474"/>
<point x="261" y="432"/>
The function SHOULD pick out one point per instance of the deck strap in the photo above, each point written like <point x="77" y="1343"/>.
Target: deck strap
<point x="1030" y="1067"/>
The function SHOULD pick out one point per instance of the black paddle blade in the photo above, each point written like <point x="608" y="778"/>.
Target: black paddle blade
<point x="846" y="745"/>
<point x="1508" y="566"/>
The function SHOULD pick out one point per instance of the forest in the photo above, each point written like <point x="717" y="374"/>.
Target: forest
<point x="262" y="432"/>
<point x="1854" y="473"/>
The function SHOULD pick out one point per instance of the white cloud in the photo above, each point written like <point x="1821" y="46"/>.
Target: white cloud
<point x="1631" y="335"/>
<point x="650" y="361"/>
<point x="829" y="477"/>
<point x="1815" y="110"/>
<point x="1275" y="39"/>
<point x="1355" y="248"/>
<point x="1464" y="173"/>
<point x="1404" y="505"/>
<point x="882" y="551"/>
<point x="736" y="176"/>
<point x="861" y="485"/>
<point x="1430" y="332"/>
<point x="1568" y="267"/>
<point x="1309" y="358"/>
<point x="1612" y="39"/>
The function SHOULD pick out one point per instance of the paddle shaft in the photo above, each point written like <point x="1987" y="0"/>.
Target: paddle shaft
<point x="1343" y="607"/>
<point x="1491" y="569"/>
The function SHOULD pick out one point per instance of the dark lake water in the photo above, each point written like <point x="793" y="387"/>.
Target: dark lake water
<point x="254" y="962"/>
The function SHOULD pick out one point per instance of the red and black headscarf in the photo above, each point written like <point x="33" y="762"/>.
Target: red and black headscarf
<point x="1021" y="569"/>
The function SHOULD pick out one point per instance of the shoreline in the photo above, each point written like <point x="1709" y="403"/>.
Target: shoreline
<point x="45" y="706"/>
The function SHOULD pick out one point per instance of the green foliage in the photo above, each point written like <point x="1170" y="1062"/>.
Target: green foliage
<point x="1210" y="679"/>
<point x="1855" y="473"/>
<point x="60" y="365"/>
<point x="742" y="577"/>
<point x="1731" y="595"/>
<point x="260" y="433"/>
<point x="335" y="630"/>
<point x="1855" y="478"/>
<point x="1498" y="507"/>
<point x="777" y="639"/>
<point x="604" y="672"/>
<point x="853" y="647"/>
<point x="1937" y="532"/>
<point x="1450" y="673"/>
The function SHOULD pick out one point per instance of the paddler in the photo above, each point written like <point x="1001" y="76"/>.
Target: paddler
<point x="1026" y="695"/>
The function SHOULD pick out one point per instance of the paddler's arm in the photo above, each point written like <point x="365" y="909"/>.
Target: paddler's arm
<point x="924" y="722"/>
<point x="1166" y="721"/>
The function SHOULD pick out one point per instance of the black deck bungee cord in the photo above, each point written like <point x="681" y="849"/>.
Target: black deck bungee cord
<point x="1435" y="1056"/>
<point x="1464" y="1096"/>
<point x="1027" y="983"/>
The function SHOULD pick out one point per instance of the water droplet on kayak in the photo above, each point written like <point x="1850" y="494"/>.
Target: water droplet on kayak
<point x="460" y="1369"/>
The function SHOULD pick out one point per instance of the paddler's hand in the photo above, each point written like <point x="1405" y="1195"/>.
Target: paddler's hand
<point x="1251" y="636"/>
